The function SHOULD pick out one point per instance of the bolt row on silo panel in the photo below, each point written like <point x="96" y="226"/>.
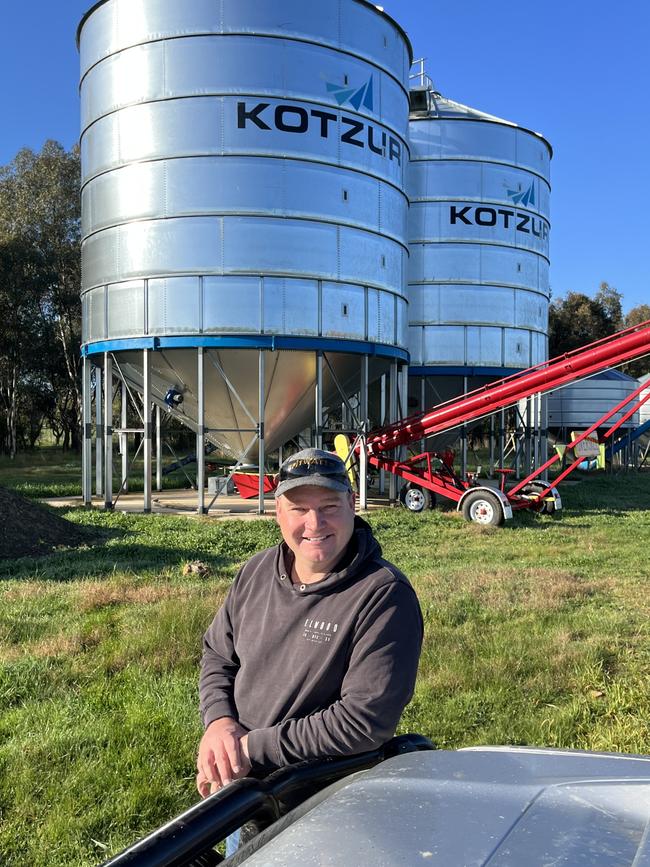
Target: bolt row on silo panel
<point x="243" y="172"/>
<point x="479" y="240"/>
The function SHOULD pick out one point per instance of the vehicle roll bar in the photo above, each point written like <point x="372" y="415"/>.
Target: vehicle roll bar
<point x="188" y="840"/>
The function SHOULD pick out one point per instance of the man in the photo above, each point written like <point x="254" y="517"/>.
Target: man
<point x="315" y="650"/>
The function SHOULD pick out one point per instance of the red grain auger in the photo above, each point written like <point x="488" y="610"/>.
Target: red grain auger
<point x="430" y="473"/>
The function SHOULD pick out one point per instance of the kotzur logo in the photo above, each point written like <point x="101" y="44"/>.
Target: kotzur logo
<point x="300" y="119"/>
<point x="355" y="96"/>
<point x="506" y="218"/>
<point x="526" y="198"/>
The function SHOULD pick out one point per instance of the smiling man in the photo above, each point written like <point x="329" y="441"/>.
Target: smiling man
<point x="315" y="650"/>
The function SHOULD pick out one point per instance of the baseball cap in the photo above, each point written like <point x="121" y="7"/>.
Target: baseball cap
<point x="313" y="467"/>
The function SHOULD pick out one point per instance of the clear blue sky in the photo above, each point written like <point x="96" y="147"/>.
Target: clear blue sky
<point x="574" y="70"/>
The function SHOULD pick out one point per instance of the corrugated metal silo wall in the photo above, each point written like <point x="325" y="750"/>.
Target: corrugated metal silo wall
<point x="479" y="242"/>
<point x="243" y="183"/>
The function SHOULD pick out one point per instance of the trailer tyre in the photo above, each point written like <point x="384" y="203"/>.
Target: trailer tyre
<point x="415" y="498"/>
<point x="482" y="507"/>
<point x="545" y="507"/>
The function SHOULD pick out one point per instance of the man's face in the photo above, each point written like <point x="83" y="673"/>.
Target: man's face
<point x="316" y="524"/>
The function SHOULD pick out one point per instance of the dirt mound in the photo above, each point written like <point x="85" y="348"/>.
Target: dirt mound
<point x="28" y="529"/>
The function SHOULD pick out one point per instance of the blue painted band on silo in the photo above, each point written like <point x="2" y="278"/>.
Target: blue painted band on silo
<point x="271" y="342"/>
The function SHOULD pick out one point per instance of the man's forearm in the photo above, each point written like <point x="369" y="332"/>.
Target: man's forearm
<point x="331" y="732"/>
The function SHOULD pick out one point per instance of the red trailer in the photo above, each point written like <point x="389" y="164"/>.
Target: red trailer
<point x="430" y="474"/>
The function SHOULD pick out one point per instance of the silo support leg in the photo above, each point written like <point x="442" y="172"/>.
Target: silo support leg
<point x="158" y="449"/>
<point x="423" y="407"/>
<point x="363" y="454"/>
<point x="260" y="431"/>
<point x="382" y="415"/>
<point x="200" y="433"/>
<point x="146" y="413"/>
<point x="543" y="441"/>
<point x="463" y="440"/>
<point x="491" y="458"/>
<point x="392" y="418"/>
<point x="318" y="438"/>
<point x="536" y="431"/>
<point x="502" y="438"/>
<point x="99" y="433"/>
<point x="124" y="440"/>
<point x="87" y="487"/>
<point x="108" y="431"/>
<point x="403" y="398"/>
<point x="528" y="438"/>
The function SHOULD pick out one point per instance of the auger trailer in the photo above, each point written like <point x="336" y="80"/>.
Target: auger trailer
<point x="430" y="474"/>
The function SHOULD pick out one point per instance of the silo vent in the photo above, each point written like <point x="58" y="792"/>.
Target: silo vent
<point x="419" y="99"/>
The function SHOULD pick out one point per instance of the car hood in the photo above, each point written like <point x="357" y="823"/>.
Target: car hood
<point x="502" y="806"/>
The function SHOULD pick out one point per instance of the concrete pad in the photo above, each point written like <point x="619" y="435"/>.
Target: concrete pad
<point x="184" y="502"/>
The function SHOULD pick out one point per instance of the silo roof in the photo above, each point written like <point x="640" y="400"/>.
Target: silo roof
<point x="614" y="375"/>
<point x="379" y="9"/>
<point x="448" y="109"/>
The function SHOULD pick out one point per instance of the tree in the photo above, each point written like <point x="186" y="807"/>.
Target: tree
<point x="577" y="320"/>
<point x="637" y="315"/>
<point x="611" y="300"/>
<point x="640" y="366"/>
<point x="22" y="282"/>
<point x="39" y="207"/>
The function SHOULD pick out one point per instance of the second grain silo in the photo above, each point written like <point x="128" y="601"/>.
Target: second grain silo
<point x="479" y="246"/>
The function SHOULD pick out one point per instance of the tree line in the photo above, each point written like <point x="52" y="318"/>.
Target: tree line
<point x="577" y="319"/>
<point x="40" y="309"/>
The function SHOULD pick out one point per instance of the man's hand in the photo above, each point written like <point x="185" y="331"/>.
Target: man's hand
<point x="223" y="756"/>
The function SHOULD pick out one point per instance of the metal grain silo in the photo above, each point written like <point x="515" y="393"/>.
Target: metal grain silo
<point x="577" y="406"/>
<point x="644" y="410"/>
<point x="479" y="240"/>
<point x="479" y="247"/>
<point x="244" y="214"/>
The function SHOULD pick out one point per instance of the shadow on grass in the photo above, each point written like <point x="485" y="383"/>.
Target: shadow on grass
<point x="609" y="494"/>
<point x="103" y="560"/>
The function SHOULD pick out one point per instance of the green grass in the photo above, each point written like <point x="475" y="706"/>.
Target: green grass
<point x="536" y="633"/>
<point x="49" y="472"/>
<point x="43" y="472"/>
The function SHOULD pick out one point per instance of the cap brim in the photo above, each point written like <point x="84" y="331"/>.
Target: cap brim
<point x="314" y="481"/>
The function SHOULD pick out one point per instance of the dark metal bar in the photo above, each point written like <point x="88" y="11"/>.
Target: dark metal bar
<point x="196" y="831"/>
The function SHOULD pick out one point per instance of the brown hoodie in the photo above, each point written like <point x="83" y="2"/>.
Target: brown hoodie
<point x="313" y="670"/>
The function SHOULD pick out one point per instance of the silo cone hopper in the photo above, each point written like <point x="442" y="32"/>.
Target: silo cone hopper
<point x="232" y="391"/>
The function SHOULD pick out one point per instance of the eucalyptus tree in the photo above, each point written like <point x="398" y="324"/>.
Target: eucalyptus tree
<point x="40" y="209"/>
<point x="21" y="285"/>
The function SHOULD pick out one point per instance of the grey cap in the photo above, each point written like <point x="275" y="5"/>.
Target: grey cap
<point x="313" y="467"/>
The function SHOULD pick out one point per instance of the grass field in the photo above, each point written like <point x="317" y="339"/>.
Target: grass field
<point x="537" y="633"/>
<point x="47" y="472"/>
